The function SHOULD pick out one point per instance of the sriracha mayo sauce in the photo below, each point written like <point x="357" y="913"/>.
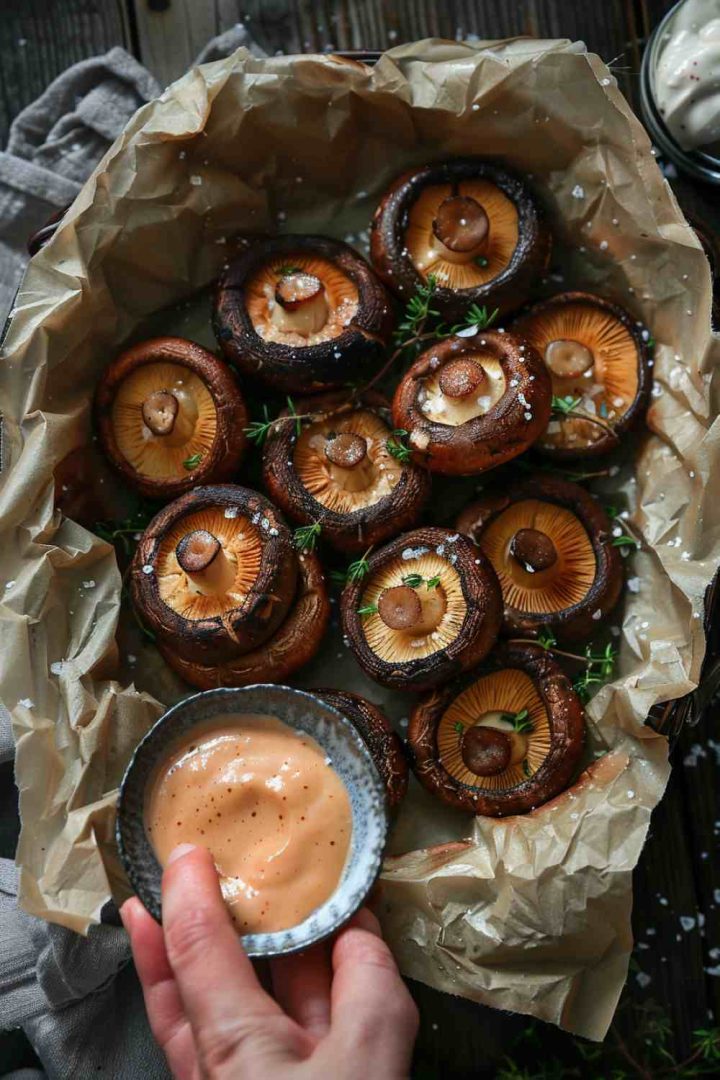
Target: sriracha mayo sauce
<point x="266" y="801"/>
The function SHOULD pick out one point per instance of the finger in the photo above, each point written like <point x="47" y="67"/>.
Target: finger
<point x="301" y="986"/>
<point x="223" y="1000"/>
<point x="163" y="1003"/>
<point x="371" y="1008"/>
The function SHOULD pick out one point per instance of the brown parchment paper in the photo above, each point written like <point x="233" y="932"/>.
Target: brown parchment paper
<point x="532" y="913"/>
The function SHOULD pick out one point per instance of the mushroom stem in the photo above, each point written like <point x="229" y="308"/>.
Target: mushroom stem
<point x="568" y="359"/>
<point x="300" y="306"/>
<point x="485" y="751"/>
<point x="534" y="550"/>
<point x="460" y="378"/>
<point x="169" y="416"/>
<point x="415" y="611"/>
<point x="348" y="461"/>
<point x="461" y="228"/>
<point x="208" y="567"/>
<point x="517" y="740"/>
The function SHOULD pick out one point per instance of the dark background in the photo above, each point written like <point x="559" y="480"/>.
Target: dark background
<point x="673" y="989"/>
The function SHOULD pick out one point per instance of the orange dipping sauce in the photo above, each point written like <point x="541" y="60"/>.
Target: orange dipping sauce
<point x="267" y="803"/>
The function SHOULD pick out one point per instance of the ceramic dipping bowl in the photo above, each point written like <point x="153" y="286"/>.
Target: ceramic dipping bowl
<point x="350" y="759"/>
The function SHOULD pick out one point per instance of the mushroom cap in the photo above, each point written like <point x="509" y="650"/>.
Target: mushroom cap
<point x="350" y="346"/>
<point x="581" y="587"/>
<point x="218" y="626"/>
<point x="518" y="243"/>
<point x="154" y="465"/>
<point x="515" y="678"/>
<point x="301" y="479"/>
<point x="290" y="647"/>
<point x="466" y="630"/>
<point x="616" y="387"/>
<point x="514" y="416"/>
<point x="386" y="747"/>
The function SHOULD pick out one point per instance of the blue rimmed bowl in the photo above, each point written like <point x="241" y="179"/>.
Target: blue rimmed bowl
<point x="350" y="758"/>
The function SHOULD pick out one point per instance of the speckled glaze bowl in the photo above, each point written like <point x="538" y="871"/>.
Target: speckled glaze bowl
<point x="350" y="759"/>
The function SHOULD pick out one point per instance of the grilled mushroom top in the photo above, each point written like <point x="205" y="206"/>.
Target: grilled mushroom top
<point x="470" y="403"/>
<point x="376" y="731"/>
<point x="473" y="225"/>
<point x="170" y="415"/>
<point x="341" y="472"/>
<point x="302" y="313"/>
<point x="551" y="545"/>
<point x="598" y="357"/>
<point x="214" y="573"/>
<point x="503" y="739"/>
<point x="428" y="607"/>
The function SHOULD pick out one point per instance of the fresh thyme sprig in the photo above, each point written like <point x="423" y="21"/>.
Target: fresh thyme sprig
<point x="520" y="721"/>
<point x="396" y="447"/>
<point x="125" y="533"/>
<point x="622" y="539"/>
<point x="306" y="537"/>
<point x="414" y="581"/>
<point x="599" y="662"/>
<point x="417" y="312"/>
<point x="367" y="609"/>
<point x="476" y="319"/>
<point x="258" y="430"/>
<point x="355" y="572"/>
<point x="193" y="461"/>
<point x="568" y="406"/>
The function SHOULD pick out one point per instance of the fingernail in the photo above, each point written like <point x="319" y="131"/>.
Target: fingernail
<point x="179" y="851"/>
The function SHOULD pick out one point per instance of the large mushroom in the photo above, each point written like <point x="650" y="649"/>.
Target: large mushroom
<point x="468" y="404"/>
<point x="599" y="360"/>
<point x="501" y="740"/>
<point x="216" y="578"/>
<point x="376" y="731"/>
<point x="428" y="607"/>
<point x="170" y="415"/>
<point x="302" y="313"/>
<point x="340" y="471"/>
<point x="476" y="227"/>
<point x="550" y="543"/>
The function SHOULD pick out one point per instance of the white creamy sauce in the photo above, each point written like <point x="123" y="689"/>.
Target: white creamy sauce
<point x="687" y="76"/>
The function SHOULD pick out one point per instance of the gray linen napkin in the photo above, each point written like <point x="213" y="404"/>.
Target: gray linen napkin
<point x="77" y="999"/>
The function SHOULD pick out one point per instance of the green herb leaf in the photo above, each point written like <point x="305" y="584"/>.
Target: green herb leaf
<point x="520" y="721"/>
<point x="565" y="406"/>
<point x="413" y="581"/>
<point x="293" y="412"/>
<point x="625" y="541"/>
<point x="192" y="462"/>
<point x="526" y="768"/>
<point x="368" y="609"/>
<point x="283" y="271"/>
<point x="259" y="430"/>
<point x="396" y="447"/>
<point x="432" y="583"/>
<point x="546" y="639"/>
<point x="305" y="538"/>
<point x="457" y="726"/>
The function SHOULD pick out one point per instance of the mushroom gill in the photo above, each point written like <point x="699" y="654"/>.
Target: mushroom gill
<point x="300" y="300"/>
<point x="344" y="463"/>
<point x="542" y="556"/>
<point x="499" y="711"/>
<point x="464" y="233"/>
<point x="412" y="608"/>
<point x="207" y="563"/>
<point x="163" y="416"/>
<point x="591" y="356"/>
<point x="462" y="389"/>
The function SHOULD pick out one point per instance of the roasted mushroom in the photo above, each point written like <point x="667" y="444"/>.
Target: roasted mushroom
<point x="376" y="731"/>
<point x="302" y="313"/>
<point x="599" y="361"/>
<point x="428" y="607"/>
<point x="474" y="226"/>
<point x="470" y="403"/>
<point x="503" y="739"/>
<point x="340" y="472"/>
<point x="170" y="416"/>
<point x="551" y="545"/>
<point x="215" y="577"/>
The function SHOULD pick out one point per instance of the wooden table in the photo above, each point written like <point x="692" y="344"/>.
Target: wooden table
<point x="674" y="986"/>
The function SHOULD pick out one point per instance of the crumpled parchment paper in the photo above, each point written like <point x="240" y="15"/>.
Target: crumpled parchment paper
<point x="531" y="913"/>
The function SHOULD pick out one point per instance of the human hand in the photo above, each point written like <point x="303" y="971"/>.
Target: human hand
<point x="339" y="1010"/>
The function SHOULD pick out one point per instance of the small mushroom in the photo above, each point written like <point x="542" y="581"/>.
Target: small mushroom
<point x="599" y="362"/>
<point x="170" y="416"/>
<point x="473" y="225"/>
<point x="302" y="313"/>
<point x="376" y="731"/>
<point x="214" y="574"/>
<point x="290" y="647"/>
<point x="551" y="545"/>
<point x="428" y="608"/>
<point x="341" y="472"/>
<point x="468" y="404"/>
<point x="503" y="739"/>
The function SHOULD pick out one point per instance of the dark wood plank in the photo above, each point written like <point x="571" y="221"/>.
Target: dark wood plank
<point x="40" y="38"/>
